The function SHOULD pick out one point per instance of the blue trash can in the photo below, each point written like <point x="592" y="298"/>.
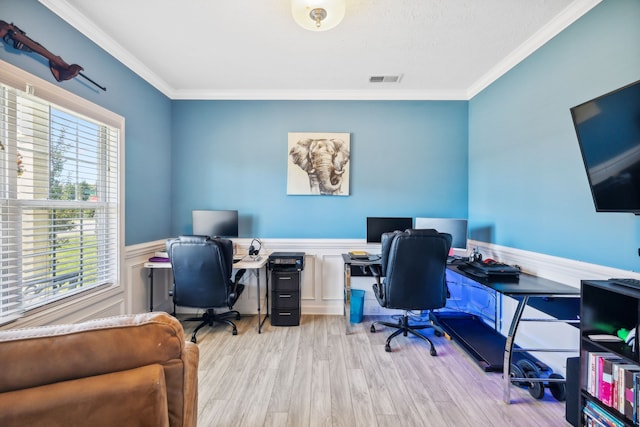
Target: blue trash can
<point x="357" y="305"/>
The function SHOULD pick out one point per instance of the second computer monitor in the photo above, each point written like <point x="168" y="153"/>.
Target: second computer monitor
<point x="457" y="227"/>
<point x="215" y="223"/>
<point x="376" y="226"/>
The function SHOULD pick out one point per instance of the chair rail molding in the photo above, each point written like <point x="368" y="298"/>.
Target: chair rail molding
<point x="323" y="274"/>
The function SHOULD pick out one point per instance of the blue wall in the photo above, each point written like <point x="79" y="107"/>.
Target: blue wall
<point x="528" y="188"/>
<point x="146" y="111"/>
<point x="407" y="159"/>
<point x="523" y="184"/>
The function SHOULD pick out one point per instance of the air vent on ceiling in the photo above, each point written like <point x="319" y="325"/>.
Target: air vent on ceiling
<point x="385" y="79"/>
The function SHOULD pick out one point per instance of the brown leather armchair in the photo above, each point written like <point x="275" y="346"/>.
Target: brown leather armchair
<point x="132" y="370"/>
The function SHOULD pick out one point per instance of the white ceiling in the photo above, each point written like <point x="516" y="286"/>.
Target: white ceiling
<point x="252" y="49"/>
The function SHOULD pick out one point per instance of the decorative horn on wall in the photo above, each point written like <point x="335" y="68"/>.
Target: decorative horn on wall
<point x="11" y="34"/>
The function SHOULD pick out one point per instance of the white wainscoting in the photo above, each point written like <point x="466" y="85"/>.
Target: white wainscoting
<point x="323" y="274"/>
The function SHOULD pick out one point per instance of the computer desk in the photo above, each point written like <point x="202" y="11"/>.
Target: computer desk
<point x="553" y="298"/>
<point x="246" y="262"/>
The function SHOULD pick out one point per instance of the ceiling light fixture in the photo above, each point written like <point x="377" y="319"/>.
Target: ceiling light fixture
<point x="318" y="15"/>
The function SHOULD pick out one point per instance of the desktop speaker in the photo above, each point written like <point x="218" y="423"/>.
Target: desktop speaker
<point x="572" y="404"/>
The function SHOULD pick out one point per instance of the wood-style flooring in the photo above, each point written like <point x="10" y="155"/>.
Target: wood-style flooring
<point x="315" y="375"/>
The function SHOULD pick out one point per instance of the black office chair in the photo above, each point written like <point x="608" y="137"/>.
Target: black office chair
<point x="202" y="278"/>
<point x="413" y="273"/>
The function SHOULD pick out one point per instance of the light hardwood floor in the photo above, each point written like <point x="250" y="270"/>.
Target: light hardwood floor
<point x="315" y="375"/>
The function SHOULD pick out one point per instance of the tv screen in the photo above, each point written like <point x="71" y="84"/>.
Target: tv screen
<point x="608" y="130"/>
<point x="376" y="226"/>
<point x="457" y="227"/>
<point x="215" y="223"/>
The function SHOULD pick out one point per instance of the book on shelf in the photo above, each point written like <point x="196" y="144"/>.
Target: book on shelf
<point x="615" y="383"/>
<point x="594" y="372"/>
<point x="635" y="398"/>
<point x="625" y="388"/>
<point x="596" y="416"/>
<point x="631" y="381"/>
<point x="605" y="378"/>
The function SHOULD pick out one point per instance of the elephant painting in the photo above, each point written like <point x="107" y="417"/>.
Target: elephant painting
<point x="324" y="160"/>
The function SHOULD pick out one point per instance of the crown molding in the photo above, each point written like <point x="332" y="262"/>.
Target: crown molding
<point x="320" y="95"/>
<point x="81" y="23"/>
<point x="568" y="16"/>
<point x="77" y="20"/>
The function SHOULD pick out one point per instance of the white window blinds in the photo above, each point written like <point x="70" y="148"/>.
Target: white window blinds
<point x="59" y="202"/>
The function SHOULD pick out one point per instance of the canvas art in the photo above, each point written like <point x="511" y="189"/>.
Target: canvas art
<point x="318" y="163"/>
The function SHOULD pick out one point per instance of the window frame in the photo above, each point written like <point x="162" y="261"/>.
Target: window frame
<point x="48" y="92"/>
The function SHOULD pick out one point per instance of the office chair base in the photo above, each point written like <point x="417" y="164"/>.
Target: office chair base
<point x="404" y="328"/>
<point x="209" y="317"/>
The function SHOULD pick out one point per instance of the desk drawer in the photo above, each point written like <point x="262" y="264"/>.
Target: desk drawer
<point x="285" y="281"/>
<point x="285" y="317"/>
<point x="281" y="299"/>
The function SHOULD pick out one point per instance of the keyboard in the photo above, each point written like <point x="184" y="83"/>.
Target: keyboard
<point x="248" y="258"/>
<point x="632" y="283"/>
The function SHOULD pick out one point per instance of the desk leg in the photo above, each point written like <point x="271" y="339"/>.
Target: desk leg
<point x="508" y="349"/>
<point x="266" y="299"/>
<point x="347" y="298"/>
<point x="151" y="289"/>
<point x="258" y="285"/>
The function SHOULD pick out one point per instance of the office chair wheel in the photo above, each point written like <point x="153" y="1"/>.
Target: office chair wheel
<point x="558" y="389"/>
<point x="238" y="316"/>
<point x="373" y="328"/>
<point x="536" y="388"/>
<point x="234" y="331"/>
<point x="387" y="348"/>
<point x="527" y="366"/>
<point x="433" y="351"/>
<point x="437" y="332"/>
<point x="193" y="339"/>
<point x="516" y="372"/>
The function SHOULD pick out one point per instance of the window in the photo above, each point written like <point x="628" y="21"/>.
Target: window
<point x="59" y="201"/>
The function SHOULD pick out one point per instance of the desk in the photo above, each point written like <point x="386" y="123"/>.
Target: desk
<point x="545" y="295"/>
<point x="246" y="263"/>
<point x="350" y="264"/>
<point x="553" y="298"/>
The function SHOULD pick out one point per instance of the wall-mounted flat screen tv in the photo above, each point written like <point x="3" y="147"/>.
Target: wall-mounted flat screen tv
<point x="215" y="223"/>
<point x="376" y="226"/>
<point x="608" y="130"/>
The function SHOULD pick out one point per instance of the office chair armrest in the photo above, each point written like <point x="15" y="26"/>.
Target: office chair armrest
<point x="233" y="288"/>
<point x="376" y="270"/>
<point x="238" y="276"/>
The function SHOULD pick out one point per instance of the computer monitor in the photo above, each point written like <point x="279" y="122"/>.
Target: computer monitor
<point x="215" y="223"/>
<point x="376" y="226"/>
<point x="457" y="227"/>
